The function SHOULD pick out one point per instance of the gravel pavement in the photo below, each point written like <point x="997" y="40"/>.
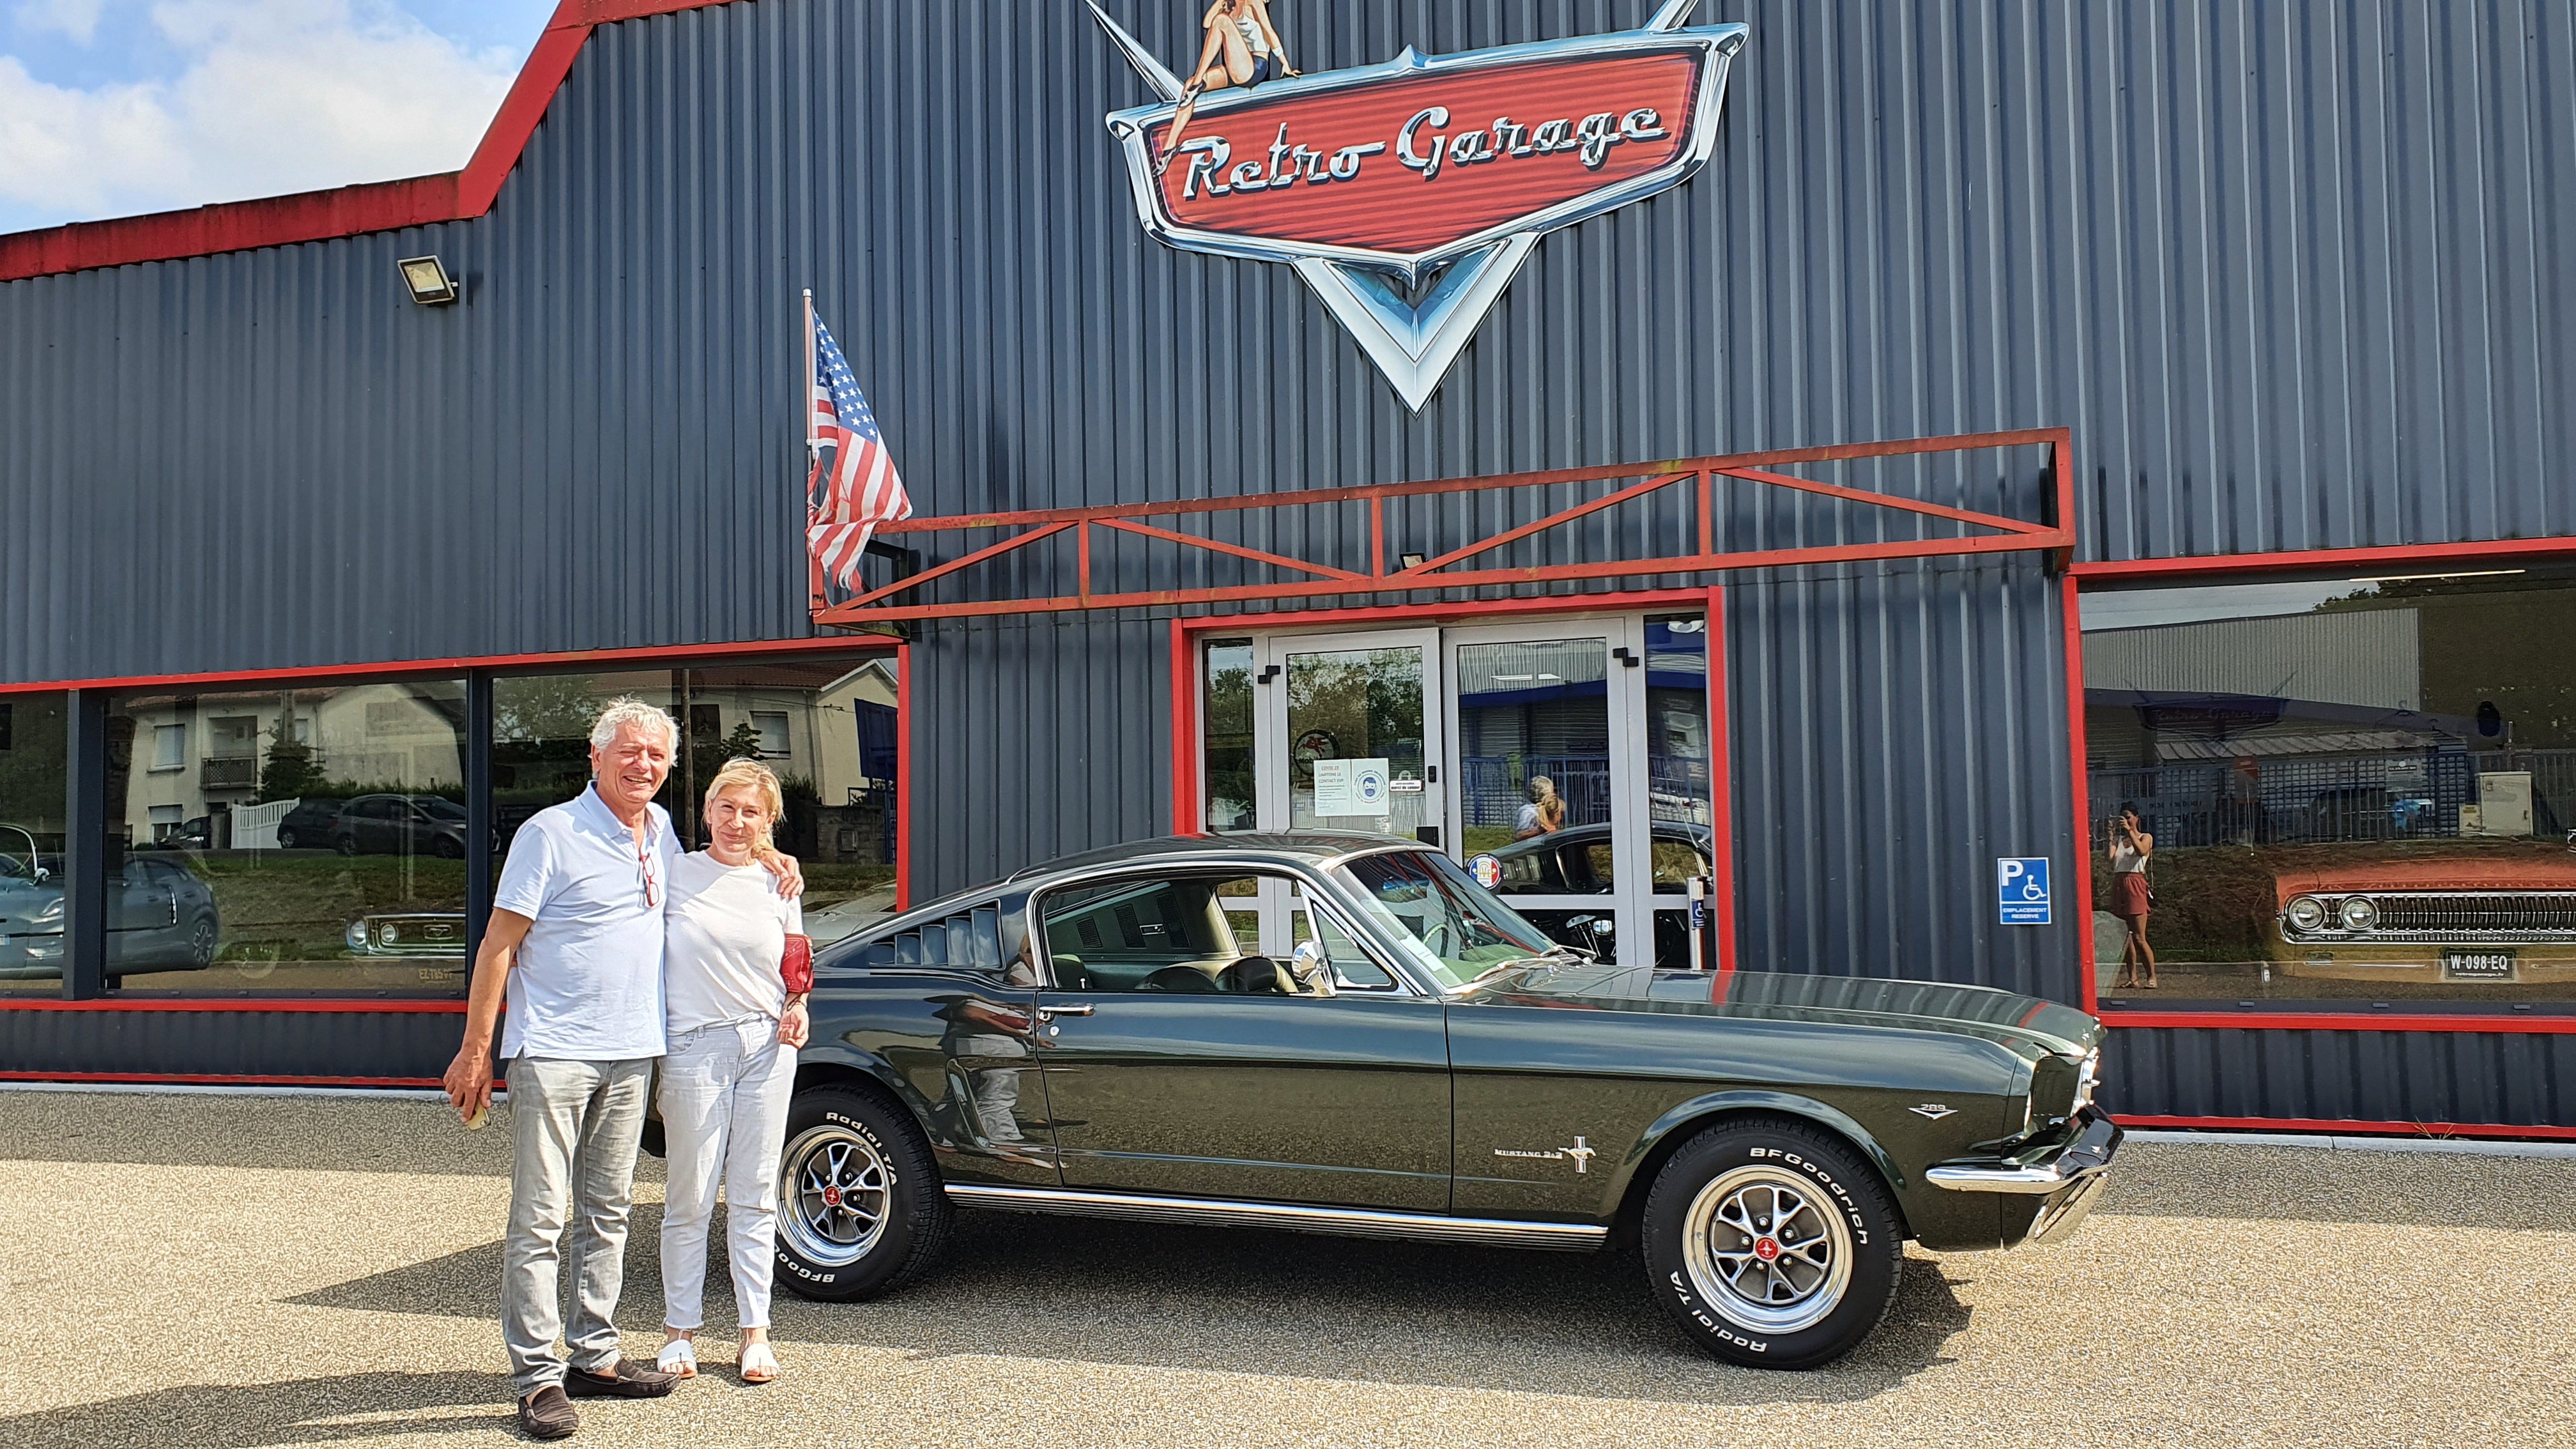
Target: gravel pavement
<point x="229" y="1272"/>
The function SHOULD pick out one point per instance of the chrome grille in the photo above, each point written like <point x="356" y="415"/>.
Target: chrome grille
<point x="2437" y="917"/>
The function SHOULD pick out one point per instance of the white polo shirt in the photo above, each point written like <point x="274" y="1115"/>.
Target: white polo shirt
<point x="588" y="983"/>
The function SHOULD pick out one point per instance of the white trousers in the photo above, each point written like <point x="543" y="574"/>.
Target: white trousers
<point x="724" y="1116"/>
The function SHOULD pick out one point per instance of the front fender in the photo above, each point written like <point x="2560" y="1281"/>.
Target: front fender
<point x="1683" y="1117"/>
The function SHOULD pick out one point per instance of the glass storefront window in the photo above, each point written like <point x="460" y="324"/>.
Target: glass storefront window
<point x="1226" y="721"/>
<point x="33" y="764"/>
<point x="827" y="726"/>
<point x="2343" y="791"/>
<point x="308" y="838"/>
<point x="1354" y="705"/>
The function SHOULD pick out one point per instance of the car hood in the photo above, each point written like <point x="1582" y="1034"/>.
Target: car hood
<point x="2553" y="872"/>
<point x="2028" y="1025"/>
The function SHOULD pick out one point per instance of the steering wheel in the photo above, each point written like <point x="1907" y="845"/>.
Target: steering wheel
<point x="1441" y="939"/>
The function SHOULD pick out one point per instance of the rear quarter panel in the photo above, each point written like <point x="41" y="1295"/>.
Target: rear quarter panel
<point x="896" y="1028"/>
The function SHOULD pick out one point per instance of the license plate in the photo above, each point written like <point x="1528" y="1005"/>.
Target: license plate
<point x="2477" y="965"/>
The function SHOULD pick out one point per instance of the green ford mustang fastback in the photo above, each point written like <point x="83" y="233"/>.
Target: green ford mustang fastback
<point x="1346" y="1034"/>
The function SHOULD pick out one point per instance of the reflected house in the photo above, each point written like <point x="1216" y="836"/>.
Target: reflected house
<point x="206" y="755"/>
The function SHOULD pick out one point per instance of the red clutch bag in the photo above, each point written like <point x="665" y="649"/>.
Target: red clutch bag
<point x="798" y="965"/>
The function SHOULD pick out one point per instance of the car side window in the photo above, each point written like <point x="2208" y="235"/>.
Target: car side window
<point x="1146" y="933"/>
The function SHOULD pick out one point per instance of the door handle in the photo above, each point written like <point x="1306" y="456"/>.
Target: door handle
<point x="1050" y="1013"/>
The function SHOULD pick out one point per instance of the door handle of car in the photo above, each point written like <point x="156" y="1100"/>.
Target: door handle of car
<point x="1050" y="1013"/>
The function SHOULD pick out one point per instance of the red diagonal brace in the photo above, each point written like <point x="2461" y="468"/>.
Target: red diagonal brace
<point x="1148" y="530"/>
<point x="953" y="565"/>
<point x="1633" y="490"/>
<point x="1863" y="495"/>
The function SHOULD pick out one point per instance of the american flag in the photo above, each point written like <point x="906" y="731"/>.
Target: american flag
<point x="859" y="489"/>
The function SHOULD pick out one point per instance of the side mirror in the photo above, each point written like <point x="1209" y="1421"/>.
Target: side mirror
<point x="1312" y="971"/>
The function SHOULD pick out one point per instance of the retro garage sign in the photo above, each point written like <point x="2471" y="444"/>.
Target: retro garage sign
<point x="1409" y="194"/>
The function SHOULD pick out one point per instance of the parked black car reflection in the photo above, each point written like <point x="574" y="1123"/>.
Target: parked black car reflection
<point x="1576" y="862"/>
<point x="160" y="917"/>
<point x="308" y="825"/>
<point x="399" y="825"/>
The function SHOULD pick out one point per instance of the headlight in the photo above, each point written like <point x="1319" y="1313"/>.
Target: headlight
<point x="357" y="935"/>
<point x="2307" y="913"/>
<point x="2359" y="914"/>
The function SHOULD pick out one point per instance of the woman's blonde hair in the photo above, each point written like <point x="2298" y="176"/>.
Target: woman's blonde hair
<point x="763" y="783"/>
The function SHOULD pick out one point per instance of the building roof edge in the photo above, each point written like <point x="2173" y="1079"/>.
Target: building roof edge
<point x="347" y="210"/>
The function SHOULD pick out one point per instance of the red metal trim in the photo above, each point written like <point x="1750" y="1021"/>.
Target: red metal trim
<point x="2350" y="1129"/>
<point x="215" y="1079"/>
<point x="1436" y="613"/>
<point x="1012" y="544"/>
<point x="1147" y="530"/>
<point x="1721" y="786"/>
<point x="1514" y="535"/>
<point x="336" y="1005"/>
<point x="348" y="210"/>
<point x="2340" y="1021"/>
<point x="1863" y="495"/>
<point x="903" y="804"/>
<point x="2071" y="631"/>
<point x="1186" y="744"/>
<point x="2329" y="558"/>
<point x="321" y="673"/>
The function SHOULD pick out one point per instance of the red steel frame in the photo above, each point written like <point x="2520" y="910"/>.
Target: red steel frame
<point x="1331" y="580"/>
<point x="2222" y="569"/>
<point x="901" y="651"/>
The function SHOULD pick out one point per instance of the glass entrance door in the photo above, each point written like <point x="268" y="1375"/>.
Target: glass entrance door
<point x="1358" y="731"/>
<point x="1547" y="769"/>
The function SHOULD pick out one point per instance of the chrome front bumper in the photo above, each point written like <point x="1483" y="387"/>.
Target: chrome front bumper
<point x="2081" y="1162"/>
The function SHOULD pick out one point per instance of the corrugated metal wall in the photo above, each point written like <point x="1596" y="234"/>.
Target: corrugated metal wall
<point x="2294" y="274"/>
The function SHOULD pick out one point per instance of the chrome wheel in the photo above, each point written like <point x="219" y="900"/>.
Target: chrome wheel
<point x="1765" y="1250"/>
<point x="832" y="1196"/>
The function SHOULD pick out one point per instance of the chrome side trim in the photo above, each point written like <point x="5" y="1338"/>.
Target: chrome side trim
<point x="1340" y="1222"/>
<point x="2085" y="1159"/>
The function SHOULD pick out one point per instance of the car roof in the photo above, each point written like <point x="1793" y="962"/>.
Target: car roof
<point x="1313" y="846"/>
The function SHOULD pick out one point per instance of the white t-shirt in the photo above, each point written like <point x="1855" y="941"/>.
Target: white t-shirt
<point x="725" y="933"/>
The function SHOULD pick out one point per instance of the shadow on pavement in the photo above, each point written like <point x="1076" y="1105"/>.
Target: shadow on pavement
<point x="307" y="1411"/>
<point x="1271" y="1304"/>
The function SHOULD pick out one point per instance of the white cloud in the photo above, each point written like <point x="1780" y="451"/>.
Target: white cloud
<point x="75" y="18"/>
<point x="274" y="96"/>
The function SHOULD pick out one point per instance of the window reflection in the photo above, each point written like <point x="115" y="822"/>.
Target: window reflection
<point x="1226" y="719"/>
<point x="33" y="762"/>
<point x="309" y="838"/>
<point x="2335" y="790"/>
<point x="827" y="726"/>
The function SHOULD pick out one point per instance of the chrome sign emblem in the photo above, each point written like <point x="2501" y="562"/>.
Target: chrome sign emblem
<point x="1934" y="1110"/>
<point x="1432" y="175"/>
<point x="1581" y="1154"/>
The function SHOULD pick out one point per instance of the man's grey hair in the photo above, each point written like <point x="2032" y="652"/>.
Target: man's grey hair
<point x="628" y="710"/>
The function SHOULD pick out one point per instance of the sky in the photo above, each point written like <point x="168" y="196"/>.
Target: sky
<point x="116" y="107"/>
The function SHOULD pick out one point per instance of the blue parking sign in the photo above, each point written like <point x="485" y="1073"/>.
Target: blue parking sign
<point x="2021" y="891"/>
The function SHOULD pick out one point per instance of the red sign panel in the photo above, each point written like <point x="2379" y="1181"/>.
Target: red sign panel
<point x="1416" y="163"/>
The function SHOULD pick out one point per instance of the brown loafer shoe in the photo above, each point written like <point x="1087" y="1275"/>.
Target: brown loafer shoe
<point x="547" y="1414"/>
<point x="632" y="1380"/>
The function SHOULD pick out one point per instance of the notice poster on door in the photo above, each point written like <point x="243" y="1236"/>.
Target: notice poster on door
<point x="1350" y="787"/>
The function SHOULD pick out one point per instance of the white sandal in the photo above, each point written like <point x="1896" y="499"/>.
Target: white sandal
<point x="679" y="1356"/>
<point x="759" y="1365"/>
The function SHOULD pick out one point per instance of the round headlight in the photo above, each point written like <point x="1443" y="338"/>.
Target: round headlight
<point x="356" y="935"/>
<point x="2307" y="913"/>
<point x="392" y="934"/>
<point x="2359" y="914"/>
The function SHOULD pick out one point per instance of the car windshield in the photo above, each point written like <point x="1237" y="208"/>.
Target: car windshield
<point x="1452" y="927"/>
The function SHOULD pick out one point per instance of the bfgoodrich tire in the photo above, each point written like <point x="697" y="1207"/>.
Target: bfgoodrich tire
<point x="860" y="1207"/>
<point x="1773" y="1244"/>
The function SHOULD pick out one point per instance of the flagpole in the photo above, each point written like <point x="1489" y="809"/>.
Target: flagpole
<point x="816" y="601"/>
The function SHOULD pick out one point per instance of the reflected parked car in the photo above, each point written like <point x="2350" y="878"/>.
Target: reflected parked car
<point x="1576" y="861"/>
<point x="308" y="825"/>
<point x="408" y="933"/>
<point x="2500" y="919"/>
<point x="160" y="917"/>
<point x="400" y="825"/>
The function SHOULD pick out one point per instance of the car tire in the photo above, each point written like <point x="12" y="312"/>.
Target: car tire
<point x="347" y="845"/>
<point x="286" y="840"/>
<point x="1773" y="1244"/>
<point x="446" y="849"/>
<point x="894" y="1220"/>
<point x="203" y="941"/>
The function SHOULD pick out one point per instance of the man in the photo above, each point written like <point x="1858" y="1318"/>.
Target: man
<point x="575" y="944"/>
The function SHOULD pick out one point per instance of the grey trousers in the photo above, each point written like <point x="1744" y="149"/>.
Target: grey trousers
<point x="576" y="1126"/>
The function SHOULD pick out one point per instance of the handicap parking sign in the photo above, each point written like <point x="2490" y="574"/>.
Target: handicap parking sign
<point x="2021" y="891"/>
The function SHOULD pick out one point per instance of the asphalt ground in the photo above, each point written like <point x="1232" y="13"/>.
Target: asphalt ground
<point x="229" y="1272"/>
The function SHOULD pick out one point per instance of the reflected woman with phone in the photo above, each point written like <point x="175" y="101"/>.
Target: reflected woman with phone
<point x="2131" y="898"/>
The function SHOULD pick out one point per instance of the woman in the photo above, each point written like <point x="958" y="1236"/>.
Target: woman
<point x="734" y="1033"/>
<point x="2130" y="898"/>
<point x="1241" y="50"/>
<point x="1543" y="815"/>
